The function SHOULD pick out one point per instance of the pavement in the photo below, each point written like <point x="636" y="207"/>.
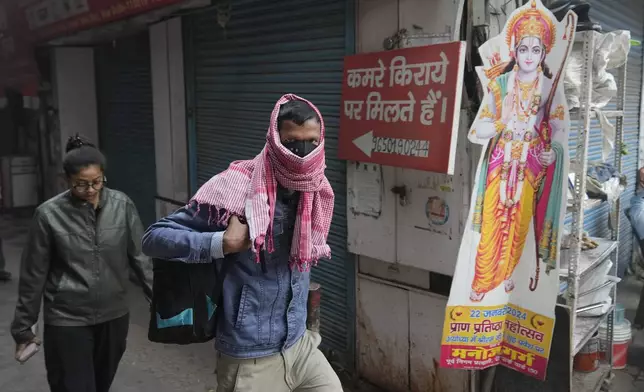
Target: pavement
<point x="155" y="367"/>
<point x="145" y="366"/>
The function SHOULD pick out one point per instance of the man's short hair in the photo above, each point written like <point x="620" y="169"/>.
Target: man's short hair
<point x="297" y="111"/>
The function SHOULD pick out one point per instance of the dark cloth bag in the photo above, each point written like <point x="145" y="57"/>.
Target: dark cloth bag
<point x="185" y="301"/>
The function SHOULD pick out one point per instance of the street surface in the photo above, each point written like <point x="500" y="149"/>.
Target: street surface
<point x="145" y="367"/>
<point x="153" y="367"/>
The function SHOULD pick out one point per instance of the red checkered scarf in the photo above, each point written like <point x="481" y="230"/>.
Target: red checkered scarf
<point x="248" y="189"/>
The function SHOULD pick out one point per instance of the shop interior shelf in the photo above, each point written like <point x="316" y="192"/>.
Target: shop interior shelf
<point x="588" y="204"/>
<point x="563" y="286"/>
<point x="585" y="328"/>
<point x="581" y="35"/>
<point x="590" y="382"/>
<point x="609" y="113"/>
<point x="588" y="259"/>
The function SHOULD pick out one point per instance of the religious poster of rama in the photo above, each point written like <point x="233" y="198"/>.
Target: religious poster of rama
<point x="502" y="302"/>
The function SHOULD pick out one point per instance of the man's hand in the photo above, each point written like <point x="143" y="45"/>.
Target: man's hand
<point x="20" y="348"/>
<point x="236" y="237"/>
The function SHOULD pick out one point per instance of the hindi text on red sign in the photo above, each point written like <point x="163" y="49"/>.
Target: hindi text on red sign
<point x="401" y="107"/>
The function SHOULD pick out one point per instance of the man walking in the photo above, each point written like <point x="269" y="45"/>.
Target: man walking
<point x="636" y="216"/>
<point x="269" y="219"/>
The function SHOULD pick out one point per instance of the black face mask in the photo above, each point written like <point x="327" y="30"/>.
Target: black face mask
<point x="301" y="148"/>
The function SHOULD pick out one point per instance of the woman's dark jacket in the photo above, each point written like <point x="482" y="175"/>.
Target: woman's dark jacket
<point x="77" y="258"/>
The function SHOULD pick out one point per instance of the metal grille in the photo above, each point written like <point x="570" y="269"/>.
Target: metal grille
<point x="126" y="126"/>
<point x="235" y="76"/>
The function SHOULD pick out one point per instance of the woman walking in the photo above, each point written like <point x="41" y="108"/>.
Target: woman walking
<point x="77" y="255"/>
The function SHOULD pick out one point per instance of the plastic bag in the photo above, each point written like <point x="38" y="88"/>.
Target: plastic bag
<point x="606" y="305"/>
<point x="611" y="51"/>
<point x="613" y="189"/>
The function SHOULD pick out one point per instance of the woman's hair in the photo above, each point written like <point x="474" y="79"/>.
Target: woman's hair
<point x="80" y="153"/>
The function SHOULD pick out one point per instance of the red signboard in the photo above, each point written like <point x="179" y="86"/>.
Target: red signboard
<point x="47" y="19"/>
<point x="17" y="65"/>
<point x="25" y="23"/>
<point x="401" y="107"/>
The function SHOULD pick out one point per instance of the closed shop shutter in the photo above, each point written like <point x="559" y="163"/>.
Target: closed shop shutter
<point x="235" y="75"/>
<point x="124" y="86"/>
<point x="619" y="15"/>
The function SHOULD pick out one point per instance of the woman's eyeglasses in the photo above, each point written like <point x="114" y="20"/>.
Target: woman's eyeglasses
<point x="83" y="186"/>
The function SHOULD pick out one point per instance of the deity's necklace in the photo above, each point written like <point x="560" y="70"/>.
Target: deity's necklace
<point x="524" y="92"/>
<point x="527" y="87"/>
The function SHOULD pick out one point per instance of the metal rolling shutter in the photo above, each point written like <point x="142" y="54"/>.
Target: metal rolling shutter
<point x="619" y="15"/>
<point x="124" y="86"/>
<point x="236" y="75"/>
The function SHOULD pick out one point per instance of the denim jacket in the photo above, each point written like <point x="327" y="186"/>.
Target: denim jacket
<point x="263" y="306"/>
<point x="636" y="213"/>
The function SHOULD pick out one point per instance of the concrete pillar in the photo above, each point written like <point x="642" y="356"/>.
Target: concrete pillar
<point x="168" y="95"/>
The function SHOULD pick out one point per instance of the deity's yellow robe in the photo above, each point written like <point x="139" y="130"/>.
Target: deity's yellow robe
<point x="503" y="232"/>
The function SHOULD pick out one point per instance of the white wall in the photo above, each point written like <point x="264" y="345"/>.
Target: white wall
<point x="74" y="96"/>
<point x="75" y="93"/>
<point x="400" y="320"/>
<point x="400" y="313"/>
<point x="168" y="97"/>
<point x="402" y="232"/>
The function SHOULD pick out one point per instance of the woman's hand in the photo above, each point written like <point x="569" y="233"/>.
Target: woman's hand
<point x="20" y="349"/>
<point x="547" y="158"/>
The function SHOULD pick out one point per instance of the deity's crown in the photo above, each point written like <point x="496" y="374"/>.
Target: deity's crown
<point x="531" y="22"/>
